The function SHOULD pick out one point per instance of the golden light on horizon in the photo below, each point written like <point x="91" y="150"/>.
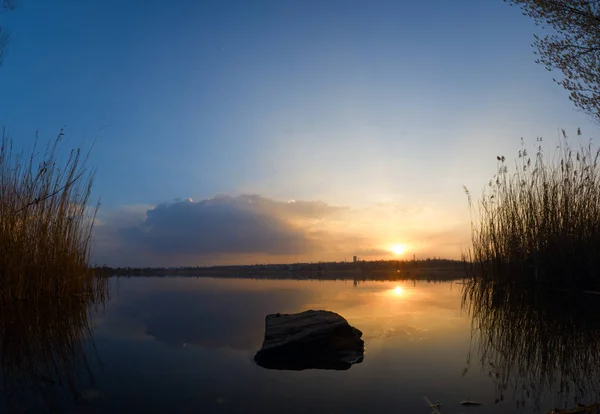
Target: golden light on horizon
<point x="398" y="249"/>
<point x="398" y="291"/>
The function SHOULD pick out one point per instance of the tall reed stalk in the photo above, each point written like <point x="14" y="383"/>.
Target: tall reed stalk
<point x="540" y="224"/>
<point x="45" y="224"/>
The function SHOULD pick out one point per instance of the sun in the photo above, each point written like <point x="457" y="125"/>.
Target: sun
<point x="398" y="290"/>
<point x="398" y="249"/>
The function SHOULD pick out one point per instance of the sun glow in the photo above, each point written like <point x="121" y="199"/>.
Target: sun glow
<point x="398" y="291"/>
<point x="398" y="249"/>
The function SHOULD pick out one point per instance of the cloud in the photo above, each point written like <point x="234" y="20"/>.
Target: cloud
<point x="251" y="228"/>
<point x="372" y="252"/>
<point x="223" y="225"/>
<point x="244" y="224"/>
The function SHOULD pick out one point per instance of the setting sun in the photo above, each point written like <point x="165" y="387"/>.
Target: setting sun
<point x="398" y="290"/>
<point x="398" y="249"/>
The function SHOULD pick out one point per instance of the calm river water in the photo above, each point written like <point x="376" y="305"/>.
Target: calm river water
<point x="186" y="345"/>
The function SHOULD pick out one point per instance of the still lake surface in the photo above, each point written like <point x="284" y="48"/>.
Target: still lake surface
<point x="186" y="344"/>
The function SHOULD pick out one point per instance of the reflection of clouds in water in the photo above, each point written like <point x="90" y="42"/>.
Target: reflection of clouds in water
<point x="122" y="327"/>
<point x="401" y="326"/>
<point x="423" y="297"/>
<point x="229" y="313"/>
<point x="234" y="320"/>
<point x="409" y="332"/>
<point x="375" y="309"/>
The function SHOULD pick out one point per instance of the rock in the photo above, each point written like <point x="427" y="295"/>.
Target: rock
<point x="310" y="340"/>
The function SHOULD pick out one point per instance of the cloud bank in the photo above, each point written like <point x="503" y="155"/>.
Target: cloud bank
<point x="245" y="224"/>
<point x="249" y="229"/>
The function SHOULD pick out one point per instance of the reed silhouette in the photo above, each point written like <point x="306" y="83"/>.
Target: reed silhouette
<point x="43" y="362"/>
<point x="541" y="223"/>
<point x="541" y="344"/>
<point x="45" y="223"/>
<point x="47" y="288"/>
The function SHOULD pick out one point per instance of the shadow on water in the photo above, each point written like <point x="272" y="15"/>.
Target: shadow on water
<point x="543" y="346"/>
<point x="43" y="362"/>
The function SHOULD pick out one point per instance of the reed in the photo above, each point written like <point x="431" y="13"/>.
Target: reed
<point x="540" y="223"/>
<point x="541" y="345"/>
<point x="45" y="223"/>
<point x="46" y="352"/>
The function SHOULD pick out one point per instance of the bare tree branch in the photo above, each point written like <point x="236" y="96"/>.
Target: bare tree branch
<point x="9" y="4"/>
<point x="4" y="33"/>
<point x="572" y="47"/>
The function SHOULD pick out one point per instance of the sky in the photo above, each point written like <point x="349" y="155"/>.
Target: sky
<point x="230" y="132"/>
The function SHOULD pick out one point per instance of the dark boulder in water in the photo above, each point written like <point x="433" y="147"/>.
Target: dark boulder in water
<point x="310" y="340"/>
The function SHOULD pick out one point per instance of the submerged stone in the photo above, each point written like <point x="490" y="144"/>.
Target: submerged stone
<point x="310" y="340"/>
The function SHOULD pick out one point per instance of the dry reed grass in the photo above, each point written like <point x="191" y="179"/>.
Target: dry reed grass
<point x="541" y="223"/>
<point x="47" y="289"/>
<point x="45" y="224"/>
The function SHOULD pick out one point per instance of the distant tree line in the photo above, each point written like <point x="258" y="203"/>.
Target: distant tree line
<point x="375" y="265"/>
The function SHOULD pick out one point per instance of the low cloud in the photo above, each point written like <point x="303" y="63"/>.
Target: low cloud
<point x="250" y="229"/>
<point x="220" y="226"/>
<point x="244" y="224"/>
<point x="372" y="252"/>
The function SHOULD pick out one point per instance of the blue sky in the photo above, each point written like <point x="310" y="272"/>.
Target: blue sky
<point x="383" y="109"/>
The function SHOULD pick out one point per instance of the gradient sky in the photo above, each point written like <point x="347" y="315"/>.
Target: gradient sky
<point x="372" y="113"/>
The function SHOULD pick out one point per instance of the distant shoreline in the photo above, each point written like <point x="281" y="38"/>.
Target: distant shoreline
<point x="429" y="269"/>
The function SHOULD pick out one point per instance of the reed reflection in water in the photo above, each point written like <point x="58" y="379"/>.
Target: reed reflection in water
<point x="43" y="363"/>
<point x="542" y="345"/>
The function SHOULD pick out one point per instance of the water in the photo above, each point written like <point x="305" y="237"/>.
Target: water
<point x="184" y="344"/>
